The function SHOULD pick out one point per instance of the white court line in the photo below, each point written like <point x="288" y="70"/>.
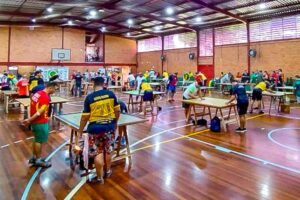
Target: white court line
<point x="18" y="141"/>
<point x="29" y="138"/>
<point x="3" y="146"/>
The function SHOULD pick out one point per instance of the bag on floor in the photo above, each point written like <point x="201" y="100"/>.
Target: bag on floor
<point x="200" y="122"/>
<point x="215" y="124"/>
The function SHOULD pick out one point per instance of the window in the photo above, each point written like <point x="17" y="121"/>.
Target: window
<point x="182" y="40"/>
<point x="275" y="29"/>
<point x="206" y="42"/>
<point x="151" y="44"/>
<point x="234" y="34"/>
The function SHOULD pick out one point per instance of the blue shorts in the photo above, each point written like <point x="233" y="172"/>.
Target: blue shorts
<point x="99" y="128"/>
<point x="131" y="83"/>
<point x="172" y="88"/>
<point x="148" y="96"/>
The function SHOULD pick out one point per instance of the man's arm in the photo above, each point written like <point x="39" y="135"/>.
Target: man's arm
<point x="35" y="116"/>
<point x="232" y="98"/>
<point x="83" y="121"/>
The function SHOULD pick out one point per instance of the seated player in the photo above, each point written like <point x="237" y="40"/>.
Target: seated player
<point x="193" y="91"/>
<point x="239" y="94"/>
<point x="257" y="94"/>
<point x="102" y="111"/>
<point x="148" y="96"/>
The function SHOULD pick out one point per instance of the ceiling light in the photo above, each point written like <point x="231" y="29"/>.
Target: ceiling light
<point x="70" y="22"/>
<point x="129" y="21"/>
<point x="128" y="34"/>
<point x="93" y="13"/>
<point x="157" y="28"/>
<point x="101" y="10"/>
<point x="262" y="6"/>
<point x="169" y="11"/>
<point x="33" y="20"/>
<point x="198" y="19"/>
<point x="50" y="10"/>
<point x="103" y="29"/>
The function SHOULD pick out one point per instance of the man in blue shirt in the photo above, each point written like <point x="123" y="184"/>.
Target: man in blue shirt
<point x="78" y="79"/>
<point x="102" y="111"/>
<point x="239" y="94"/>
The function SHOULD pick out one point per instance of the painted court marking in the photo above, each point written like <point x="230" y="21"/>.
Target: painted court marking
<point x="278" y="143"/>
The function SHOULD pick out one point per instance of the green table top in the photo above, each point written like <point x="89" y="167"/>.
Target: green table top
<point x="73" y="119"/>
<point x="137" y="93"/>
<point x="26" y="101"/>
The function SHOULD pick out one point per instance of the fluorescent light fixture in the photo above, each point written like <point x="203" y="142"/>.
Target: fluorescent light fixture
<point x="128" y="34"/>
<point x="262" y="6"/>
<point x="103" y="29"/>
<point x="50" y="10"/>
<point x="101" y="10"/>
<point x="198" y="19"/>
<point x="33" y="20"/>
<point x="129" y="21"/>
<point x="169" y="11"/>
<point x="93" y="13"/>
<point x="70" y="22"/>
<point x="157" y="28"/>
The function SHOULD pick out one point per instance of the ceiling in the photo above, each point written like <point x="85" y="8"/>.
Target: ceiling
<point x="141" y="18"/>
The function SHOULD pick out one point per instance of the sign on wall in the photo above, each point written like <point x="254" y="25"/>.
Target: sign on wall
<point x="48" y="71"/>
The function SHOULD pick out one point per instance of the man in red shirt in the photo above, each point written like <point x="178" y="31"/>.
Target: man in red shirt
<point x="39" y="108"/>
<point x="22" y="85"/>
<point x="173" y="79"/>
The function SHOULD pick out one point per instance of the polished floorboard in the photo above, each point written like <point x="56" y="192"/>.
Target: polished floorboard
<point x="171" y="160"/>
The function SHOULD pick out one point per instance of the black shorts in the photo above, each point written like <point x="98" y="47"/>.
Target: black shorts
<point x="257" y="94"/>
<point x="185" y="105"/>
<point x="242" y="107"/>
<point x="148" y="96"/>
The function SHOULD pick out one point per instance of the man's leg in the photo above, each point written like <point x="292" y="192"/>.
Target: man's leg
<point x="99" y="164"/>
<point x="259" y="105"/>
<point x="242" y="121"/>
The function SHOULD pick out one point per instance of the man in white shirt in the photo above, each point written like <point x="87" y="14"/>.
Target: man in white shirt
<point x="139" y="80"/>
<point x="193" y="91"/>
<point x="131" y="80"/>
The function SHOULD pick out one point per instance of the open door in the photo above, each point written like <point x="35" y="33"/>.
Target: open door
<point x="208" y="70"/>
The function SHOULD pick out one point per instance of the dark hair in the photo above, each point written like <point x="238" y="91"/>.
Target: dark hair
<point x="98" y="81"/>
<point x="37" y="72"/>
<point x="51" y="84"/>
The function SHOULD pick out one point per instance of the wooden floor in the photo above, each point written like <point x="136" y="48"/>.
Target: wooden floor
<point x="171" y="160"/>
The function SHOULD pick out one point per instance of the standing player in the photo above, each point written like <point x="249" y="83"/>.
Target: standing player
<point x="173" y="79"/>
<point x="39" y="108"/>
<point x="257" y="94"/>
<point x="102" y="111"/>
<point x="239" y="94"/>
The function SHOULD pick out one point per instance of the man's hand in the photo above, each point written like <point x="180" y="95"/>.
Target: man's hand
<point x="26" y="122"/>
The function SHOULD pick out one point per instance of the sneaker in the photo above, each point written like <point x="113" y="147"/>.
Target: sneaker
<point x="108" y="173"/>
<point x="32" y="161"/>
<point x="261" y="112"/>
<point x="123" y="142"/>
<point x="42" y="163"/>
<point x="244" y="130"/>
<point x="96" y="180"/>
<point x="239" y="130"/>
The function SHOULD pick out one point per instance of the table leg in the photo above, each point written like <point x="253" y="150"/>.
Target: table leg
<point x="209" y="111"/>
<point x="195" y="114"/>
<point x="188" y="114"/>
<point x="127" y="143"/>
<point x="6" y="103"/>
<point x="223" y="121"/>
<point x="60" y="107"/>
<point x="71" y="141"/>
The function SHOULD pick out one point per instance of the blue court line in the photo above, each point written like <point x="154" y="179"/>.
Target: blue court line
<point x="36" y="173"/>
<point x="282" y="145"/>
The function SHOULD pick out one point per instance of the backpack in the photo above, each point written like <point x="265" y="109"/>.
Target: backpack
<point x="215" y="124"/>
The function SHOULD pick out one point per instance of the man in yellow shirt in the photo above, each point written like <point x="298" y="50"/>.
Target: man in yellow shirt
<point x="148" y="95"/>
<point x="165" y="74"/>
<point x="257" y="94"/>
<point x="204" y="78"/>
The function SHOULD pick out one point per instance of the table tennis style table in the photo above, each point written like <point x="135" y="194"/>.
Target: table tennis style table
<point x="140" y="94"/>
<point x="9" y="98"/>
<point x="73" y="121"/>
<point x="54" y="101"/>
<point x="209" y="102"/>
<point x="273" y="97"/>
<point x="204" y="89"/>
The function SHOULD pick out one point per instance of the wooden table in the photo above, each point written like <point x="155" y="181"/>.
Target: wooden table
<point x="140" y="94"/>
<point x="73" y="121"/>
<point x="273" y="98"/>
<point x="9" y="98"/>
<point x="202" y="88"/>
<point x="209" y="102"/>
<point x="54" y="101"/>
